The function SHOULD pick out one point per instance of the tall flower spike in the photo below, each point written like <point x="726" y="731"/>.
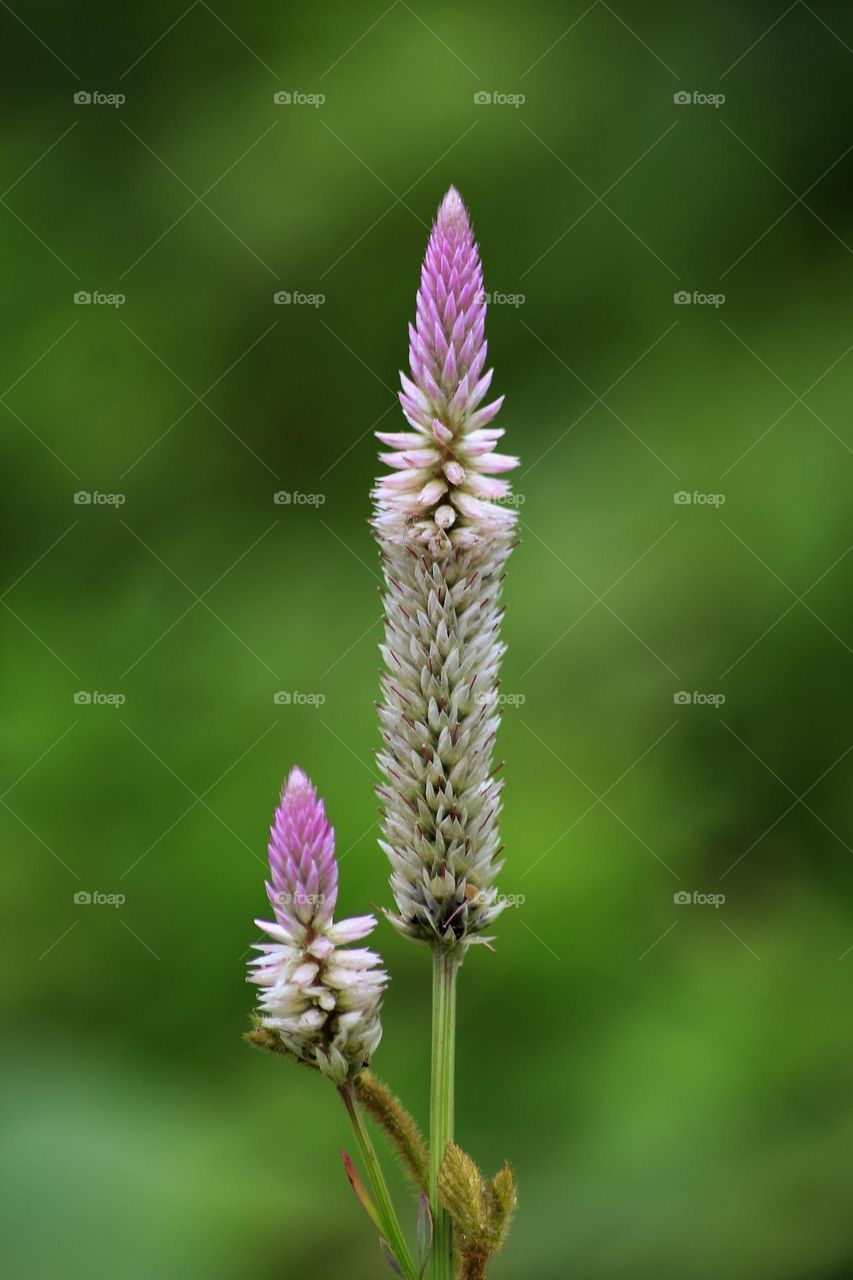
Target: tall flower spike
<point x="444" y="540"/>
<point x="322" y="1000"/>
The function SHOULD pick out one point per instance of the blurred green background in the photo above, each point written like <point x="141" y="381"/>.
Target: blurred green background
<point x="672" y="1080"/>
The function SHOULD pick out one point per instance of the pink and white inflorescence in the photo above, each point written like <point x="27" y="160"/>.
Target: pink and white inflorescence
<point x="443" y="485"/>
<point x="445" y="525"/>
<point x="322" y="999"/>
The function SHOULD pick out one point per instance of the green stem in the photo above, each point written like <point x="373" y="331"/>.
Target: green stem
<point x="391" y="1226"/>
<point x="444" y="969"/>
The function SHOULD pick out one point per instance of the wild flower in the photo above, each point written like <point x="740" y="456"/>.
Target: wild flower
<point x="321" y="999"/>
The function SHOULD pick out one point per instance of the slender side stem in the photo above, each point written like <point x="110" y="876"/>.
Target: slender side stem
<point x="445" y="965"/>
<point x="393" y="1232"/>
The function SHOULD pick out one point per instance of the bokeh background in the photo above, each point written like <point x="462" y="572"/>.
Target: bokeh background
<point x="670" y="1078"/>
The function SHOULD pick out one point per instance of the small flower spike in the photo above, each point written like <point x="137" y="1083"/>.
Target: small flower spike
<point x="321" y="999"/>
<point x="445" y="530"/>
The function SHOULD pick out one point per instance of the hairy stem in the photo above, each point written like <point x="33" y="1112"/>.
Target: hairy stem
<point x="445" y="965"/>
<point x="391" y="1226"/>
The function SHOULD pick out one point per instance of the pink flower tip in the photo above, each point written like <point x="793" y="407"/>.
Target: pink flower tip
<point x="303" y="873"/>
<point x="297" y="782"/>
<point x="452" y="214"/>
